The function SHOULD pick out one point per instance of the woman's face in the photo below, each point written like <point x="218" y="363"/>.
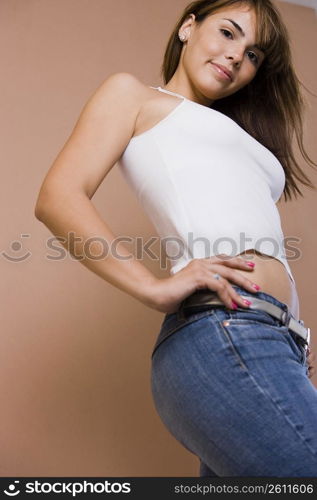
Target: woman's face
<point x="225" y="38"/>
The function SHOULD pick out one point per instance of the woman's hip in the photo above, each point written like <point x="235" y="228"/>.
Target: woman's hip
<point x="235" y="380"/>
<point x="242" y="327"/>
<point x="219" y="343"/>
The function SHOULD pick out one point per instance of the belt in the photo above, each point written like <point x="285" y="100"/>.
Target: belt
<point x="202" y="298"/>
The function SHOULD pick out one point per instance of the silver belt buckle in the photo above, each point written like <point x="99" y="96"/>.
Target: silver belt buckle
<point x="308" y="337"/>
<point x="308" y="334"/>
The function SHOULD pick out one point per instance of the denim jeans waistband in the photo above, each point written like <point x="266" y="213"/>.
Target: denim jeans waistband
<point x="174" y="321"/>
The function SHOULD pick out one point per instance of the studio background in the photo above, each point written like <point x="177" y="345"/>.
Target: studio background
<point x="75" y="353"/>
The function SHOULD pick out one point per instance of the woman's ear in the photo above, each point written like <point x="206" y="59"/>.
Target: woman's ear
<point x="188" y="24"/>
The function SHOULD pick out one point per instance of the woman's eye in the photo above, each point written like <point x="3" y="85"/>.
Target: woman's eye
<point x="225" y="33"/>
<point x="253" y="57"/>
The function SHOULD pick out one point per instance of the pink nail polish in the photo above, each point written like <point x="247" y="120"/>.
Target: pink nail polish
<point x="251" y="264"/>
<point x="247" y="302"/>
<point x="257" y="287"/>
<point x="234" y="305"/>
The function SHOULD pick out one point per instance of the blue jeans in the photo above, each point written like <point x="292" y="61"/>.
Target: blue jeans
<point x="232" y="387"/>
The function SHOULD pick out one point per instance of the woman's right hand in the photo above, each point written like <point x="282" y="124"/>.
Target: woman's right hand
<point x="169" y="292"/>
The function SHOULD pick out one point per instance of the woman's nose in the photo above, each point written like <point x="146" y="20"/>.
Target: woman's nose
<point x="236" y="57"/>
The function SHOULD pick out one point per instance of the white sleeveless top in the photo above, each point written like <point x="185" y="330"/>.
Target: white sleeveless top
<point x="207" y="185"/>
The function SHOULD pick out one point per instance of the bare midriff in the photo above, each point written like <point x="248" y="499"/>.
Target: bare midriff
<point x="272" y="276"/>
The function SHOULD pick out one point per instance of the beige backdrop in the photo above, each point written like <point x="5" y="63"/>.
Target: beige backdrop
<point x="75" y="356"/>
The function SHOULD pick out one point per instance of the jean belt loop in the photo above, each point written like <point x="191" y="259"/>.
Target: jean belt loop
<point x="286" y="317"/>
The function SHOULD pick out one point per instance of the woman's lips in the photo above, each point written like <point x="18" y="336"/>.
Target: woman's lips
<point x="220" y="72"/>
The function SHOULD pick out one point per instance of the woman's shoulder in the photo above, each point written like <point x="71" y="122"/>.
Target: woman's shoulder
<point x="126" y="85"/>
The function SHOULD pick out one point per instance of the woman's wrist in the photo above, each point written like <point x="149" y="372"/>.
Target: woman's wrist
<point x="151" y="294"/>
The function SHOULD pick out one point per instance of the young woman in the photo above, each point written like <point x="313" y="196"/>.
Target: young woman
<point x="208" y="155"/>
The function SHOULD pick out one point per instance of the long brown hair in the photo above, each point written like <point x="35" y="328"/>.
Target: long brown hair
<point x="270" y="108"/>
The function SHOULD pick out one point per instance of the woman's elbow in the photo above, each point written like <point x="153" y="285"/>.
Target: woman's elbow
<point x="43" y="202"/>
<point x="40" y="209"/>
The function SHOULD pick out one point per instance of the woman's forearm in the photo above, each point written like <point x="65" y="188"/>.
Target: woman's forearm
<point x="76" y="221"/>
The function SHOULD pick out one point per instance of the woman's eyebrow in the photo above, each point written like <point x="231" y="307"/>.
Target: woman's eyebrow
<point x="236" y="25"/>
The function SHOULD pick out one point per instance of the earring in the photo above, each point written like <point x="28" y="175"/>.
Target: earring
<point x="182" y="37"/>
